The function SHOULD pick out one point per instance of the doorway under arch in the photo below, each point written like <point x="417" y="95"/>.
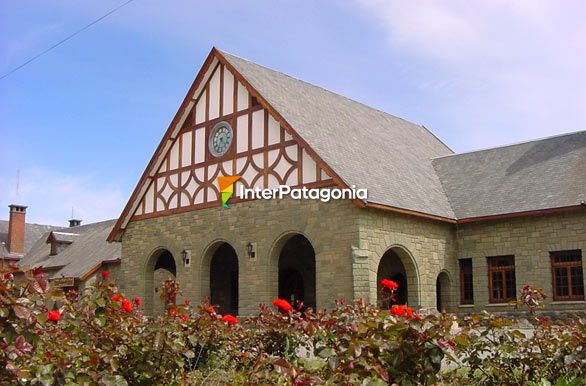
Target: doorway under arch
<point x="224" y="279"/>
<point x="160" y="267"/>
<point x="297" y="271"/>
<point x="442" y="292"/>
<point x="396" y="264"/>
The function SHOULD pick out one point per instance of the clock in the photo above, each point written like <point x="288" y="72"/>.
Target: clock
<point x="220" y="139"/>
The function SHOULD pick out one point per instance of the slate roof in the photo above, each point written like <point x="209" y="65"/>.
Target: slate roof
<point x="540" y="174"/>
<point x="364" y="146"/>
<point x="403" y="165"/>
<point x="32" y="232"/>
<point x="87" y="250"/>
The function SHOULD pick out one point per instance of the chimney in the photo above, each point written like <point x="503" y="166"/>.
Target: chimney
<point x="74" y="223"/>
<point x="16" y="229"/>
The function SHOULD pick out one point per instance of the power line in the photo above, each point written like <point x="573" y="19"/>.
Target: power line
<point x="66" y="39"/>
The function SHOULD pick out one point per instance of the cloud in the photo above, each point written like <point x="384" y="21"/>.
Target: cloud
<point x="516" y="66"/>
<point x="50" y="197"/>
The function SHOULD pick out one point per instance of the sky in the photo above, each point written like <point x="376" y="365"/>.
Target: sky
<point x="79" y="125"/>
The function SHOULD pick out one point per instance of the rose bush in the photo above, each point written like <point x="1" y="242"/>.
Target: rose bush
<point x="100" y="337"/>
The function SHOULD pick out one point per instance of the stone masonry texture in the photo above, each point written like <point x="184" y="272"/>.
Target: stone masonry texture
<point x="349" y="243"/>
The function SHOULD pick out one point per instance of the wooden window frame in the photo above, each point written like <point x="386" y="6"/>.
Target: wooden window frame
<point x="568" y="265"/>
<point x="464" y="299"/>
<point x="502" y="269"/>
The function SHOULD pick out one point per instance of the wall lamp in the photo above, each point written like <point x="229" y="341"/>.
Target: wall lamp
<point x="186" y="255"/>
<point x="251" y="250"/>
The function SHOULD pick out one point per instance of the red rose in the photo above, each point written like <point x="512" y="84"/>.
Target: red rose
<point x="229" y="319"/>
<point x="105" y="274"/>
<point x="173" y="311"/>
<point x="54" y="315"/>
<point x="389" y="284"/>
<point x="187" y="302"/>
<point x="137" y="301"/>
<point x="283" y="305"/>
<point x="398" y="310"/>
<point x="127" y="305"/>
<point x="409" y="312"/>
<point x="185" y="318"/>
<point x="211" y="310"/>
<point x="115" y="298"/>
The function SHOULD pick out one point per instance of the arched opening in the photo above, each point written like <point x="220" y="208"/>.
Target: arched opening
<point x="160" y="268"/>
<point x="297" y="271"/>
<point x="397" y="265"/>
<point x="442" y="292"/>
<point x="224" y="279"/>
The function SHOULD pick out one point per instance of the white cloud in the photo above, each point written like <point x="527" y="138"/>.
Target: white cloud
<point x="518" y="66"/>
<point x="50" y="196"/>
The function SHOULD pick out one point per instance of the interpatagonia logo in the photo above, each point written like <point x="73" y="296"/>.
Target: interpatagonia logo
<point x="227" y="188"/>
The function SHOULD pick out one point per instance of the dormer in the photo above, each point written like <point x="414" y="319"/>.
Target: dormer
<point x="60" y="240"/>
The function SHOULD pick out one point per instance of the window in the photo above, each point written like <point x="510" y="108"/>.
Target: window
<point x="466" y="287"/>
<point x="567" y="277"/>
<point x="501" y="279"/>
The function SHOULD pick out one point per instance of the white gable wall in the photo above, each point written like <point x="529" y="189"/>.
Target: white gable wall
<point x="262" y="152"/>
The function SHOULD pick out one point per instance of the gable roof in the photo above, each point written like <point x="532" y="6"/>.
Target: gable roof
<point x="404" y="166"/>
<point x="32" y="233"/>
<point x="355" y="144"/>
<point x="541" y="174"/>
<point x="389" y="156"/>
<point x="87" y="250"/>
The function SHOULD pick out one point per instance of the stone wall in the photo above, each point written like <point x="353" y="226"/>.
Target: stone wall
<point x="426" y="248"/>
<point x="332" y="228"/>
<point x="349" y="243"/>
<point x="115" y="276"/>
<point x="529" y="239"/>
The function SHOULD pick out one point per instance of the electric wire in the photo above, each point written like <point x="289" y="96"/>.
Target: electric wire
<point x="65" y="39"/>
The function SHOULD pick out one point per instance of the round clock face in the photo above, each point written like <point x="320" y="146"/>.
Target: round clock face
<point x="220" y="139"/>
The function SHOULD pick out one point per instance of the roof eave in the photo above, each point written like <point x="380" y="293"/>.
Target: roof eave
<point x="535" y="212"/>
<point x="410" y="212"/>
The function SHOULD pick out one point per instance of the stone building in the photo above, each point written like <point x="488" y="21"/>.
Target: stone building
<point x="458" y="232"/>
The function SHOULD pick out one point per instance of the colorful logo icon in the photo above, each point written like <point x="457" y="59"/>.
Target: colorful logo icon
<point x="227" y="188"/>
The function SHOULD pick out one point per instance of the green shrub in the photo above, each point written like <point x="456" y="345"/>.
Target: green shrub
<point x="99" y="337"/>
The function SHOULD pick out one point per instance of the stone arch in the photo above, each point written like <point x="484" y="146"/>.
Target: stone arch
<point x="220" y="276"/>
<point x="443" y="288"/>
<point x="398" y="264"/>
<point x="160" y="266"/>
<point x="293" y="272"/>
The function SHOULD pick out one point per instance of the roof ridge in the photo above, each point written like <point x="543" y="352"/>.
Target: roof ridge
<point x="33" y="223"/>
<point x="89" y="224"/>
<point x="336" y="94"/>
<point x="512" y="144"/>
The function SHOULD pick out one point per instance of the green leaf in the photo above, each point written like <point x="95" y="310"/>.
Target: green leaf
<point x="462" y="340"/>
<point x="326" y="353"/>
<point x="122" y="349"/>
<point x="100" y="311"/>
<point x="46" y="379"/>
<point x="41" y="318"/>
<point x="4" y="312"/>
<point x="113" y="380"/>
<point x="101" y="321"/>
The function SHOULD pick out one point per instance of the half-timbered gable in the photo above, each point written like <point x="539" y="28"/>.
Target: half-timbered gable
<point x="183" y="174"/>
